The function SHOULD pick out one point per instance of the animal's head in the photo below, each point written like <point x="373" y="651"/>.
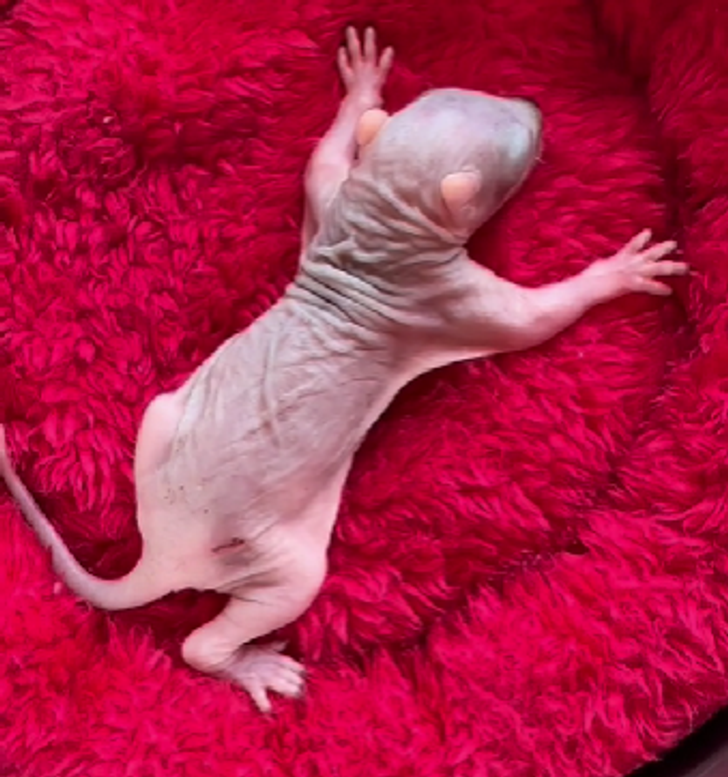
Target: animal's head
<point x="453" y="155"/>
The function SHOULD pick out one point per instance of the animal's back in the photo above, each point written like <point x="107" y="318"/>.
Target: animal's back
<point x="270" y="418"/>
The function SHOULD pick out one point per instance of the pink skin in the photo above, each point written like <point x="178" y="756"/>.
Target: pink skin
<point x="546" y="310"/>
<point x="230" y="495"/>
<point x="364" y="74"/>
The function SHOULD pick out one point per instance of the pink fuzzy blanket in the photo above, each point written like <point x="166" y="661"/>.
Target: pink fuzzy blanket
<point x="529" y="576"/>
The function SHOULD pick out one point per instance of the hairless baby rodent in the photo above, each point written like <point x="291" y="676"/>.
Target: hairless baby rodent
<point x="239" y="473"/>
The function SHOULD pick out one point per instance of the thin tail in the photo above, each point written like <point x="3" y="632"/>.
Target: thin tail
<point x="132" y="590"/>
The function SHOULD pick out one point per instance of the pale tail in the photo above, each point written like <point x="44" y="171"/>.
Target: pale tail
<point x="132" y="590"/>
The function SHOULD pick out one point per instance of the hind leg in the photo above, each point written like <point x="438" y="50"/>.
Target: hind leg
<point x="263" y="668"/>
<point x="219" y="647"/>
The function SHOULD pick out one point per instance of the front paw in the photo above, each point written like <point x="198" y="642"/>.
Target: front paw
<point x="636" y="268"/>
<point x="362" y="70"/>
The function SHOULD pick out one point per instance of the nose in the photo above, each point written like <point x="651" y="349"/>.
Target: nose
<point x="529" y="114"/>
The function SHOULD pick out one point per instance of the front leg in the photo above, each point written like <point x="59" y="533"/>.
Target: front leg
<point x="364" y="74"/>
<point x="496" y="315"/>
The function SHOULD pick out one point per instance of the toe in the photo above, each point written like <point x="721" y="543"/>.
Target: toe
<point x="656" y="288"/>
<point x="292" y="665"/>
<point x="660" y="250"/>
<point x="674" y="268"/>
<point x="259" y="696"/>
<point x="290" y="685"/>
<point x="639" y="241"/>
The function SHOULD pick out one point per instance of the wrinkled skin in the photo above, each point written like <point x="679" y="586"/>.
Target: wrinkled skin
<point x="239" y="473"/>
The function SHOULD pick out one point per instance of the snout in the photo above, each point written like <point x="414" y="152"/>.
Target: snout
<point x="528" y="114"/>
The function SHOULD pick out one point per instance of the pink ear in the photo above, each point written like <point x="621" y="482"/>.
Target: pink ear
<point x="370" y="125"/>
<point x="458" y="191"/>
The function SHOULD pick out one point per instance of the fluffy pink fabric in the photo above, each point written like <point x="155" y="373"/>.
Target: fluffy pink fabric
<point x="529" y="575"/>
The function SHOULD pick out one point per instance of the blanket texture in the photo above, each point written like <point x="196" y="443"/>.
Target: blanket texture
<point x="529" y="574"/>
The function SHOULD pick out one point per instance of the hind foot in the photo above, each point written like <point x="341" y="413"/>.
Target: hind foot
<point x="264" y="668"/>
<point x="222" y="646"/>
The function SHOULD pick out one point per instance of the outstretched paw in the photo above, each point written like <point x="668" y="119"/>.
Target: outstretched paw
<point x="264" y="668"/>
<point x="636" y="268"/>
<point x="362" y="69"/>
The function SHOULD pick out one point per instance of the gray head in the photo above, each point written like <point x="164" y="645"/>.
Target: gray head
<point x="445" y="163"/>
